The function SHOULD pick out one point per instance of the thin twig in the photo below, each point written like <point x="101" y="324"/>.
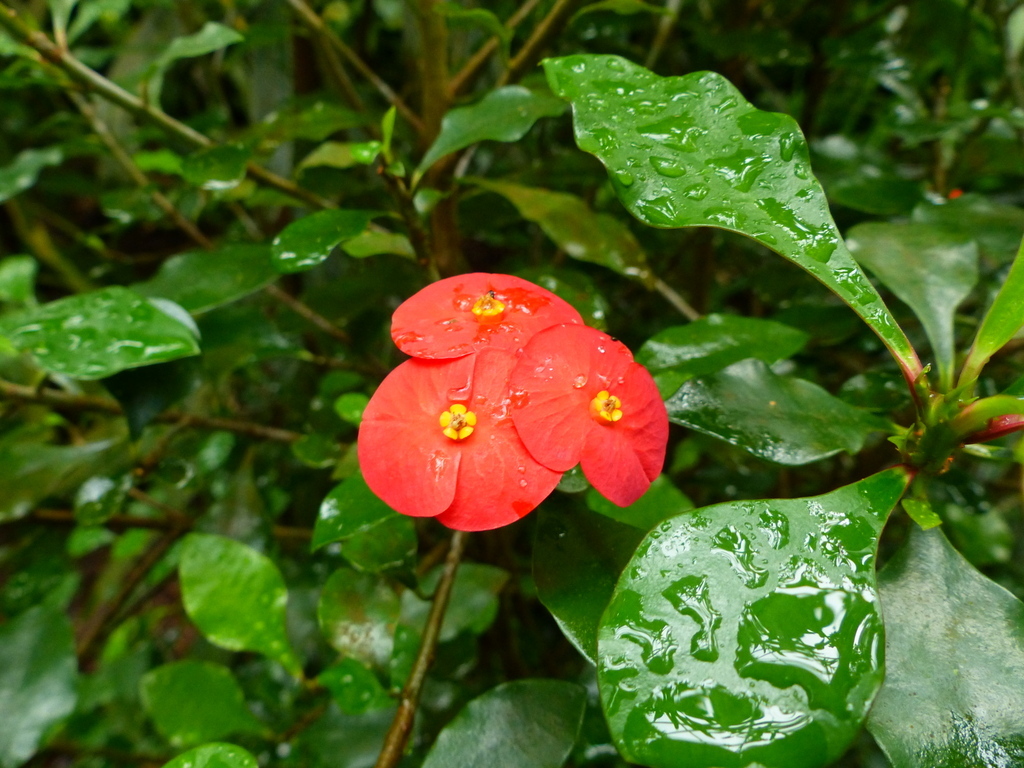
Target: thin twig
<point x="127" y="522"/>
<point x="407" y="209"/>
<point x="310" y="18"/>
<point x="675" y="299"/>
<point x="665" y="26"/>
<point x="34" y="234"/>
<point x="310" y="314"/>
<point x="79" y="72"/>
<point x="59" y="399"/>
<point x="547" y="30"/>
<point x="472" y="68"/>
<point x="401" y="726"/>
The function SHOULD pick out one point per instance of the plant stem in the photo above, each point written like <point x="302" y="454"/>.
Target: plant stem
<point x="401" y="727"/>
<point x="676" y="300"/>
<point x="308" y="313"/>
<point x="127" y="522"/>
<point x="547" y="30"/>
<point x="35" y="235"/>
<point x="472" y="68"/>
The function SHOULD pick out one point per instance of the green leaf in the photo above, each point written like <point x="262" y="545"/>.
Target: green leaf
<point x="350" y="407"/>
<point x="486" y="20"/>
<point x="37" y="680"/>
<point x="93" y="11"/>
<point x="577" y="558"/>
<point x="214" y="756"/>
<point x="354" y="688"/>
<point x="100" y="497"/>
<point x="60" y="13"/>
<point x="358" y="613"/>
<point x="954" y="655"/>
<point x="576" y="288"/>
<point x="334" y="154"/>
<point x="691" y="151"/>
<point x="929" y="269"/>
<point x="474" y="601"/>
<point x="21" y="174"/>
<point x="212" y="37"/>
<point x="749" y="632"/>
<point x="95" y="335"/>
<point x="192" y="702"/>
<point x="921" y="512"/>
<point x="505" y="114"/>
<point x="621" y="7"/>
<point x="18" y="279"/>
<point x="217" y="168"/>
<point x="786" y="420"/>
<point x="996" y="227"/>
<point x="350" y="508"/>
<point x="575" y="228"/>
<point x="661" y="501"/>
<point x="387" y="546"/>
<point x="378" y="243"/>
<point x="145" y="393"/>
<point x="310" y="240"/>
<point x="236" y="597"/>
<point x="682" y="352"/>
<point x="522" y="724"/>
<point x="1002" y="321"/>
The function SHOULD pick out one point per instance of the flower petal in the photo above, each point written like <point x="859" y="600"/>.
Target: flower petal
<point x="438" y="322"/>
<point x="499" y="482"/>
<point x="404" y="456"/>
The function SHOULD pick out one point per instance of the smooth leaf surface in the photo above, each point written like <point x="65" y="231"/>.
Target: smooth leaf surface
<point x="100" y="497"/>
<point x="954" y="650"/>
<point x="389" y="545"/>
<point x="1002" y="321"/>
<point x="457" y="16"/>
<point x="22" y="174"/>
<point x="350" y="508"/>
<point x="192" y="702"/>
<point x="95" y="335"/>
<point x="358" y="613"/>
<point x="661" y="501"/>
<point x="691" y="151"/>
<point x="786" y="420"/>
<point x="473" y="605"/>
<point x="310" y="240"/>
<point x="216" y="169"/>
<point x="574" y="227"/>
<point x="929" y="269"/>
<point x="214" y="756"/>
<point x="682" y="352"/>
<point x="37" y="680"/>
<point x="144" y="393"/>
<point x="749" y="632"/>
<point x="236" y="597"/>
<point x="504" y="114"/>
<point x="577" y="558"/>
<point x="18" y="279"/>
<point x="354" y="688"/>
<point x="522" y="724"/>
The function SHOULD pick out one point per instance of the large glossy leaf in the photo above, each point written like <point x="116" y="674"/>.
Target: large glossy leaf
<point x="309" y="241"/>
<point x="1002" y="321"/>
<point x="24" y="171"/>
<point x="202" y="280"/>
<point x="580" y="231"/>
<point x="930" y="269"/>
<point x="748" y="633"/>
<point x="95" y="335"/>
<point x="522" y="724"/>
<point x="577" y="558"/>
<point x="954" y="656"/>
<point x="691" y="151"/>
<point x="786" y="420"/>
<point x="37" y="680"/>
<point x="236" y="597"/>
<point x="358" y="613"/>
<point x="677" y="354"/>
<point x="192" y="702"/>
<point x="214" y="756"/>
<point x="505" y="114"/>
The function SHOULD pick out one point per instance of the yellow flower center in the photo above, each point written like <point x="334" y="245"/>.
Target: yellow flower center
<point x="488" y="309"/>
<point x="605" y="407"/>
<point x="457" y="423"/>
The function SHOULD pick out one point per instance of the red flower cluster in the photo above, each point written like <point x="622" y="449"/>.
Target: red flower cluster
<point x="505" y="391"/>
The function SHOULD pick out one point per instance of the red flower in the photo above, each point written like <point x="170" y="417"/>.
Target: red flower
<point x="437" y="440"/>
<point x="461" y="314"/>
<point x="580" y="398"/>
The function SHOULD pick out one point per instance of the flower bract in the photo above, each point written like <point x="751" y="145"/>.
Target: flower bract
<point x="580" y="398"/>
<point x="459" y="315"/>
<point x="437" y="440"/>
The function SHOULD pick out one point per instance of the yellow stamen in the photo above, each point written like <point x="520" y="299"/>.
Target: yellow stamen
<point x="606" y="407"/>
<point x="488" y="309"/>
<point x="457" y="423"/>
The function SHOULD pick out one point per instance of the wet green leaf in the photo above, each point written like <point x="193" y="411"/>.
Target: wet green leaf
<point x="389" y="545"/>
<point x="37" y="680"/>
<point x="749" y="632"/>
<point x="144" y="393"/>
<point x="236" y="597"/>
<point x="21" y="174"/>
<point x="581" y="232"/>
<point x="95" y="335"/>
<point x="786" y="420"/>
<point x="358" y="613"/>
<point x="192" y="702"/>
<point x="377" y="244"/>
<point x="996" y="227"/>
<point x="354" y="688"/>
<point x="954" y="685"/>
<point x="921" y="512"/>
<point x="479" y="17"/>
<point x="576" y="288"/>
<point x="525" y="724"/>
<point x="217" y="168"/>
<point x="225" y="275"/>
<point x="310" y="240"/>
<point x="577" y="558"/>
<point x="1002" y="321"/>
<point x="505" y="114"/>
<point x="214" y="756"/>
<point x="316" y="450"/>
<point x="931" y="270"/>
<point x="661" y="501"/>
<point x="100" y="497"/>
<point x="691" y="151"/>
<point x="18" y="279"/>
<point x="682" y="352"/>
<point x="350" y="508"/>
